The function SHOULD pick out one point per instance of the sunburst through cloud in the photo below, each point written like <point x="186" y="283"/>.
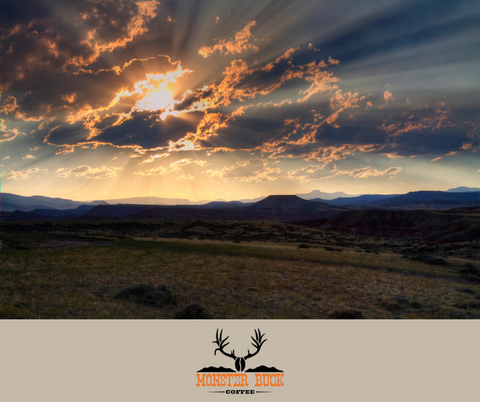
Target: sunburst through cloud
<point x="259" y="96"/>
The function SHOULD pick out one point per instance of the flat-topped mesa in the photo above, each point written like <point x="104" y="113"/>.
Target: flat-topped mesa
<point x="282" y="203"/>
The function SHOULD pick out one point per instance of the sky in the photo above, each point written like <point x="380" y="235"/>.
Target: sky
<point x="232" y="100"/>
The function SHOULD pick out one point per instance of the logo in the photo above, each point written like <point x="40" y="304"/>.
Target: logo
<point x="261" y="378"/>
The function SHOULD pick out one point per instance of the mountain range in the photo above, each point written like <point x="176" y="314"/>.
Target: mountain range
<point x="413" y="200"/>
<point x="419" y="199"/>
<point x="429" y="215"/>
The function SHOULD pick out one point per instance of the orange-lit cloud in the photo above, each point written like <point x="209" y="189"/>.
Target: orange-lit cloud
<point x="340" y="101"/>
<point x="241" y="82"/>
<point x="155" y="157"/>
<point x="327" y="171"/>
<point x="96" y="41"/>
<point x="6" y="134"/>
<point x="66" y="41"/>
<point x="322" y="81"/>
<point x="474" y="147"/>
<point x="387" y="95"/>
<point x="368" y="171"/>
<point x="15" y="175"/>
<point x="240" y="43"/>
<point x="333" y="62"/>
<point x="252" y="170"/>
<point x="102" y="172"/>
<point x="185" y="177"/>
<point x="10" y="106"/>
<point x="418" y="120"/>
<point x="175" y="166"/>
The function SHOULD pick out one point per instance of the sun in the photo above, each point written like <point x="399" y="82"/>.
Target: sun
<point x="156" y="100"/>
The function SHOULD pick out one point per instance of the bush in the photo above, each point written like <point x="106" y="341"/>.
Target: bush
<point x="193" y="312"/>
<point x="429" y="259"/>
<point x="399" y="303"/>
<point x="469" y="268"/>
<point x="303" y="245"/>
<point x="467" y="290"/>
<point x="11" y="312"/>
<point x="149" y="295"/>
<point x="468" y="305"/>
<point x="346" y="314"/>
<point x="471" y="278"/>
<point x="328" y="248"/>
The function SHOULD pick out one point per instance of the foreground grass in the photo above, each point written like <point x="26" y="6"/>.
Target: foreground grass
<point x="232" y="281"/>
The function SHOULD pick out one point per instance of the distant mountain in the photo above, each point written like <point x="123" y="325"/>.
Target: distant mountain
<point x="356" y="201"/>
<point x="13" y="202"/>
<point x="249" y="200"/>
<point x="273" y="208"/>
<point x="430" y="200"/>
<point x="288" y="204"/>
<point x="412" y="200"/>
<point x="283" y="208"/>
<point x="224" y="204"/>
<point x="324" y="196"/>
<point x="151" y="201"/>
<point x="463" y="189"/>
<point x="291" y="208"/>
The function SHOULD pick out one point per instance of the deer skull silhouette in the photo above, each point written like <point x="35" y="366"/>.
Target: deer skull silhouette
<point x="239" y="361"/>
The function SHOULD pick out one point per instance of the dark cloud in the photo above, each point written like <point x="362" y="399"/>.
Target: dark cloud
<point x="146" y="130"/>
<point x="44" y="51"/>
<point x="257" y="125"/>
<point x="244" y="133"/>
<point x="67" y="134"/>
<point x="192" y="98"/>
<point x="63" y="92"/>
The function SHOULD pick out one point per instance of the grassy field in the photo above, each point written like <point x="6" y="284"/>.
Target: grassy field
<point x="52" y="275"/>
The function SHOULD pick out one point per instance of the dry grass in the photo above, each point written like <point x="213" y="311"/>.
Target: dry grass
<point x="232" y="281"/>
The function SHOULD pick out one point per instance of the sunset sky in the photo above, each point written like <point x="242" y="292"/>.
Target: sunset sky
<point x="231" y="100"/>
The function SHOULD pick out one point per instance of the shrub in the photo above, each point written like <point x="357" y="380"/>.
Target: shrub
<point x="399" y="303"/>
<point x="11" y="312"/>
<point x="303" y="245"/>
<point x="193" y="312"/>
<point x="471" y="278"/>
<point x="467" y="290"/>
<point x="468" y="305"/>
<point x="328" y="248"/>
<point x="346" y="314"/>
<point x="469" y="268"/>
<point x="429" y="259"/>
<point x="149" y="295"/>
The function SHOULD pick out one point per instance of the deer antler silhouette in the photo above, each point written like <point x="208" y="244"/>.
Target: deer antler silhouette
<point x="239" y="361"/>
<point x="257" y="343"/>
<point x="221" y="345"/>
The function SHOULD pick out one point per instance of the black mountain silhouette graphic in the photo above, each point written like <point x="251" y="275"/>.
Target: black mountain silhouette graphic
<point x="212" y="369"/>
<point x="264" y="369"/>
